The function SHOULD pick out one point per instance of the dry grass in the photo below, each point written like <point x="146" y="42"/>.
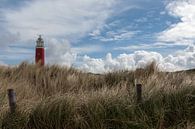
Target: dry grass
<point x="54" y="97"/>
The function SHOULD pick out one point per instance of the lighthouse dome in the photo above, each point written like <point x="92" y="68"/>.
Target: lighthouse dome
<point x="40" y="42"/>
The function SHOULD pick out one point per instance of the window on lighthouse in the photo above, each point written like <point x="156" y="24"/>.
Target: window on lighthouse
<point x="40" y="42"/>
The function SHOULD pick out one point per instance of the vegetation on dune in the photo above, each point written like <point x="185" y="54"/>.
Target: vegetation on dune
<point x="54" y="97"/>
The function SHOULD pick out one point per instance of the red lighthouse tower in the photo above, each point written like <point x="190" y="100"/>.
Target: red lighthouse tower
<point x="40" y="52"/>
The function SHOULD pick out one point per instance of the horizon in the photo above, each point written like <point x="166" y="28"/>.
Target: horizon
<point x="99" y="36"/>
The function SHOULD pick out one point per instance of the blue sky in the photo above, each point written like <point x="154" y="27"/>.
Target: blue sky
<point x="100" y="36"/>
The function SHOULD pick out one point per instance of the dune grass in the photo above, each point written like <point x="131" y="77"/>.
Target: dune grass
<point x="54" y="97"/>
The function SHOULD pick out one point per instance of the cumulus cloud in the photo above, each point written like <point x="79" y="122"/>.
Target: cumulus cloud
<point x="92" y="65"/>
<point x="59" y="18"/>
<point x="60" y="53"/>
<point x="63" y="53"/>
<point x="183" y="59"/>
<point x="185" y="29"/>
<point x="139" y="59"/>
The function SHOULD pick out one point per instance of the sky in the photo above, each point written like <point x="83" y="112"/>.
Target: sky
<point x="100" y="35"/>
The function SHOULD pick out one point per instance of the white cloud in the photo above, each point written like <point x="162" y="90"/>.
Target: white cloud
<point x="184" y="59"/>
<point x="185" y="29"/>
<point x="137" y="47"/>
<point x="152" y="46"/>
<point x="141" y="20"/>
<point x="60" y="53"/>
<point x="121" y="62"/>
<point x="92" y="65"/>
<point x="12" y="54"/>
<point x="114" y="35"/>
<point x="179" y="61"/>
<point x="59" y="18"/>
<point x="85" y="49"/>
<point x="7" y="38"/>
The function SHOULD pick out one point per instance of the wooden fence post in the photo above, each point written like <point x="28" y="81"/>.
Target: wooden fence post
<point x="139" y="92"/>
<point x="12" y="100"/>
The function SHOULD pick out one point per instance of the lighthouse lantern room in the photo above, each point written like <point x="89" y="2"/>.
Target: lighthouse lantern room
<point x="40" y="52"/>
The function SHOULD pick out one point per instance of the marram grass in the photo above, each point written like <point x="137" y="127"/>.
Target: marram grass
<point x="54" y="97"/>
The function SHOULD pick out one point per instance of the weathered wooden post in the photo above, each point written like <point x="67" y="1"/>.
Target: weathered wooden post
<point x="12" y="100"/>
<point x="139" y="92"/>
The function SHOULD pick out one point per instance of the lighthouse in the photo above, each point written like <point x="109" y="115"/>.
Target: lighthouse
<point x="40" y="52"/>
